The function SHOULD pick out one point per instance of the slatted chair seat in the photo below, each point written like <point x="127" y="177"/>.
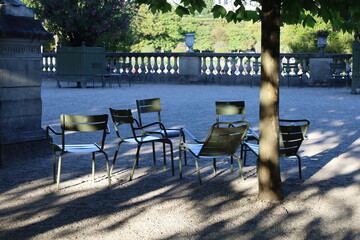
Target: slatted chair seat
<point x="76" y="124"/>
<point x="292" y="134"/>
<point x="339" y="73"/>
<point x="139" y="136"/>
<point x="146" y="109"/>
<point x="223" y="140"/>
<point x="291" y="70"/>
<point x="81" y="148"/>
<point x="236" y="109"/>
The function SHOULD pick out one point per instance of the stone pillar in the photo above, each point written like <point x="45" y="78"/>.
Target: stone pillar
<point x="190" y="67"/>
<point x="21" y="137"/>
<point x="355" y="81"/>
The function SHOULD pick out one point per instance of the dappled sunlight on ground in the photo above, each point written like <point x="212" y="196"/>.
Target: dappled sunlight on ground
<point x="157" y="205"/>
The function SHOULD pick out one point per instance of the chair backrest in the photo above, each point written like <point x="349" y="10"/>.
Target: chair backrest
<point x="290" y="67"/>
<point x="84" y="123"/>
<point x="230" y="108"/>
<point x="292" y="134"/>
<point x="148" y="106"/>
<point x="337" y="68"/>
<point x="121" y="116"/>
<point x="224" y="138"/>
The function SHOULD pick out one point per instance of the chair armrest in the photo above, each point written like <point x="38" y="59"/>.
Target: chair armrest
<point x="161" y="126"/>
<point x="184" y="132"/>
<point x="255" y="134"/>
<point x="48" y="130"/>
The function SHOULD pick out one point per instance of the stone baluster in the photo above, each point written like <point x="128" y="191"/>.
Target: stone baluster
<point x="248" y="65"/>
<point x="112" y="65"/>
<point x="304" y="65"/>
<point x="226" y="66"/>
<point x="169" y="65"/>
<point x="52" y="64"/>
<point x="156" y="67"/>
<point x="218" y="66"/>
<point x="176" y="65"/>
<point x="241" y="65"/>
<point x="257" y="66"/>
<point x="211" y="66"/>
<point x="148" y="65"/>
<point x="162" y="65"/>
<point x="142" y="66"/>
<point x="233" y="67"/>
<point x="203" y="66"/>
<point x="136" y="66"/>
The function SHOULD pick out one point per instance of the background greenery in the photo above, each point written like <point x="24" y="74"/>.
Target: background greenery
<point x="148" y="32"/>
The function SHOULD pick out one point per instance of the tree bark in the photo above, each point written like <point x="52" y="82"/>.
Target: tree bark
<point x="269" y="165"/>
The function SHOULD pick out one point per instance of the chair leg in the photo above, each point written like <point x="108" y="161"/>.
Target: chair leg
<point x="231" y="163"/>
<point x="59" y="171"/>
<point x="164" y="155"/>
<point x="241" y="175"/>
<point x="135" y="162"/>
<point x="214" y="165"/>
<point x="107" y="168"/>
<point x="299" y="163"/>
<point x="115" y="155"/>
<point x="184" y="151"/>
<point x="198" y="170"/>
<point x="154" y="155"/>
<point x="180" y="162"/>
<point x="243" y="154"/>
<point x="54" y="166"/>
<point x="172" y="158"/>
<point x="93" y="166"/>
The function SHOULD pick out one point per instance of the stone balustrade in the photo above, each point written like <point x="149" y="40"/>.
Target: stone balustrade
<point x="309" y="69"/>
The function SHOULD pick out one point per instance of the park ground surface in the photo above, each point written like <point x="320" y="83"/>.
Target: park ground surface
<point x="157" y="205"/>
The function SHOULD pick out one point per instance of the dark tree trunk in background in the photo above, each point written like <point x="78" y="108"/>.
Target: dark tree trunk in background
<point x="269" y="166"/>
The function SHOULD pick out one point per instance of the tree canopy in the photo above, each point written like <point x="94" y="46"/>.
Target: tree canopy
<point x="342" y="14"/>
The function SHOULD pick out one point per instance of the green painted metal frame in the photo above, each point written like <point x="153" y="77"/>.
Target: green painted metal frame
<point x="288" y="68"/>
<point x="234" y="108"/>
<point x="292" y="134"/>
<point x="139" y="136"/>
<point x="223" y="140"/>
<point x="338" y="71"/>
<point x="79" y="123"/>
<point x="153" y="105"/>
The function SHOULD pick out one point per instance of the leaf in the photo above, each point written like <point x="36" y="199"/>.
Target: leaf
<point x="309" y="21"/>
<point x="218" y="11"/>
<point x="181" y="11"/>
<point x="230" y="16"/>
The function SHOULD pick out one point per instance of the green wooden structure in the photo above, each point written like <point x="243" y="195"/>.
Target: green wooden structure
<point x="355" y="82"/>
<point x="79" y="64"/>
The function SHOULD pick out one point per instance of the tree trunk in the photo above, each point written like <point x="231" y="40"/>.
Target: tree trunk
<point x="268" y="165"/>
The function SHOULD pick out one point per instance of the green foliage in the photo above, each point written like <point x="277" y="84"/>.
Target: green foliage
<point x="243" y="36"/>
<point x="78" y="21"/>
<point x="341" y="14"/>
<point x="162" y="31"/>
<point x="300" y="39"/>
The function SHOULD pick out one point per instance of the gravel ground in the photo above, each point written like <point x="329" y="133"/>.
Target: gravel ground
<point x="157" y="205"/>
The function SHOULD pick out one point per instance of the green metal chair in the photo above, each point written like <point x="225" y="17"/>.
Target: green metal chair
<point x="79" y="123"/>
<point x="139" y="135"/>
<point x="339" y="73"/>
<point x="291" y="70"/>
<point x="223" y="140"/>
<point x="237" y="109"/>
<point x="292" y="134"/>
<point x="151" y="107"/>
